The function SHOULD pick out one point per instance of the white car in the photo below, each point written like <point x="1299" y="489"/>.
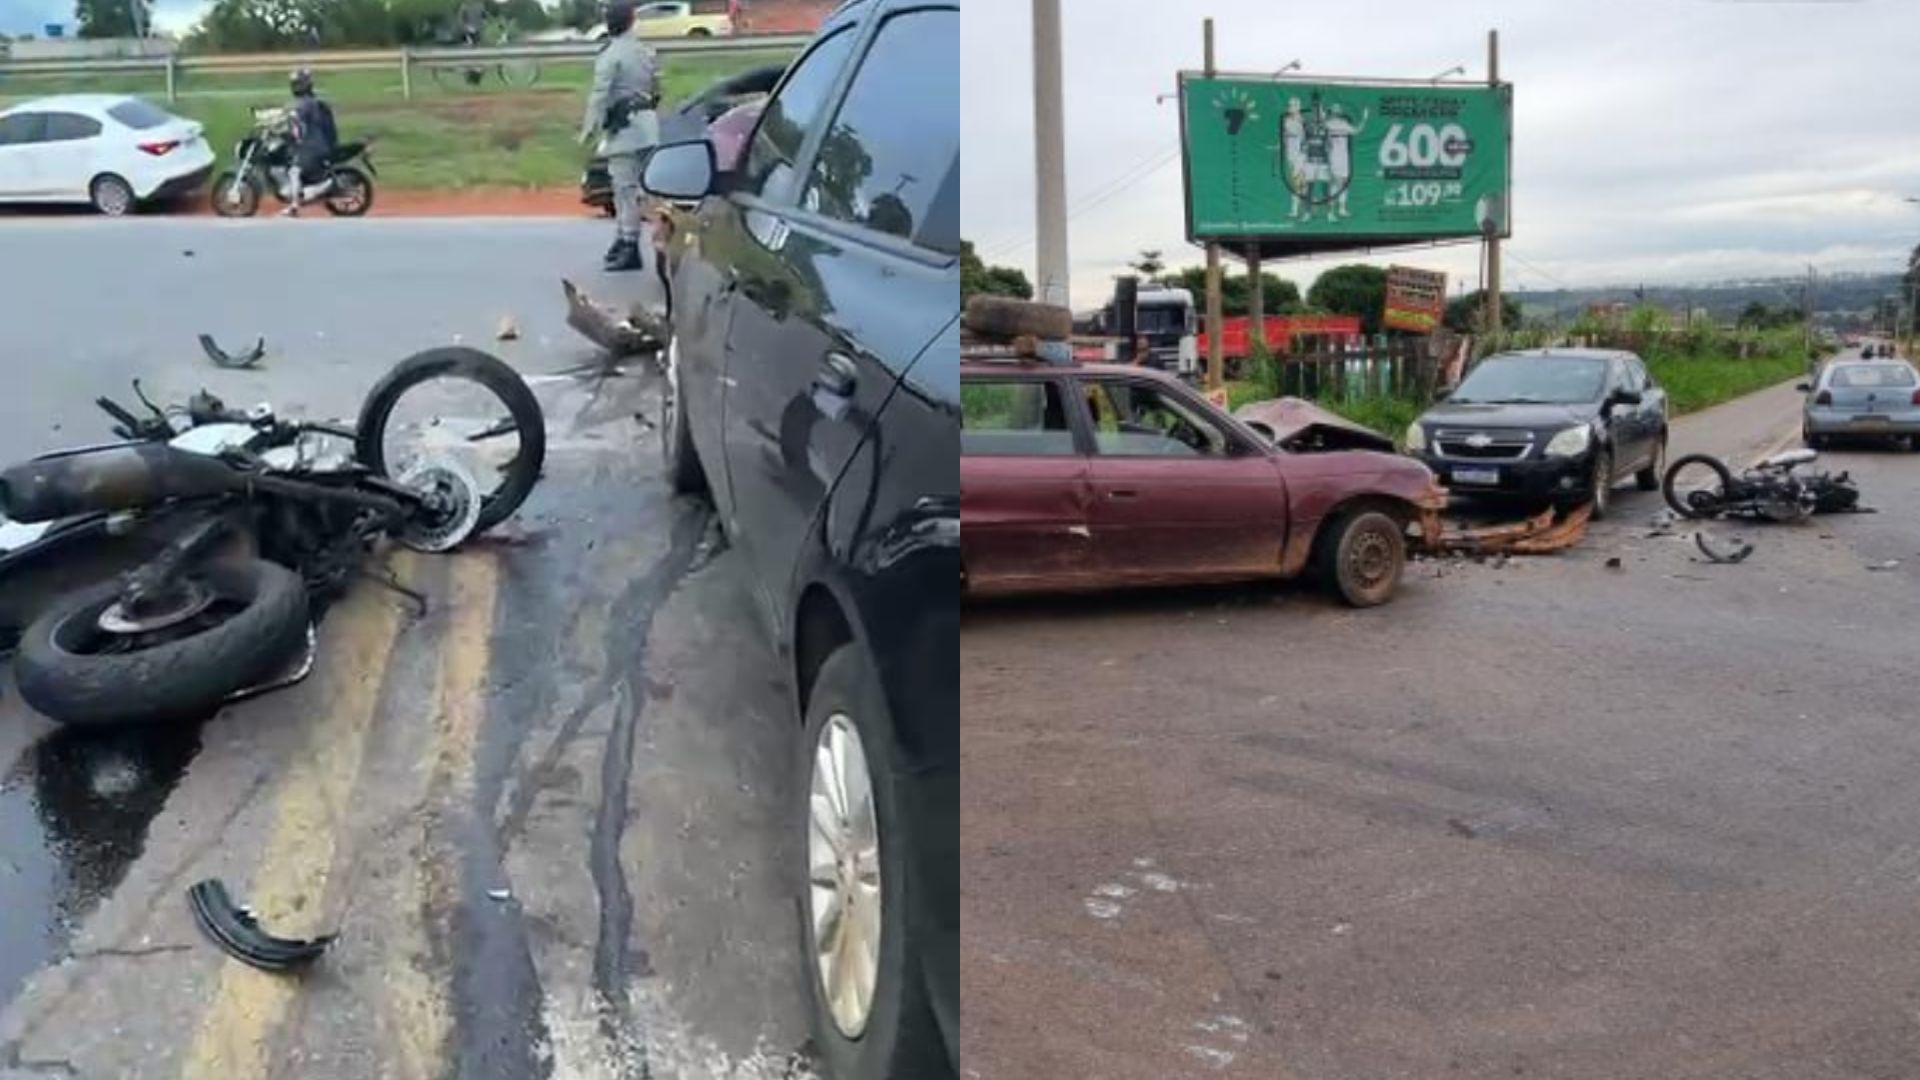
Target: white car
<point x="110" y="150"/>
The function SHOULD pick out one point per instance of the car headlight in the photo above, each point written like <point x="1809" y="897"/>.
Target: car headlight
<point x="1416" y="438"/>
<point x="1570" y="443"/>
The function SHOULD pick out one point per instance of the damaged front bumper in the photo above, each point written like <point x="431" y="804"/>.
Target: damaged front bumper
<point x="1543" y="533"/>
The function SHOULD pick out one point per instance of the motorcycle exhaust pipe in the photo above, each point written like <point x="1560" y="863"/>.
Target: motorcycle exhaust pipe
<point x="111" y="479"/>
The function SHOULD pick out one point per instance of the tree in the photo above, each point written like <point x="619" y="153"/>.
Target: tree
<point x="1353" y="289"/>
<point x="1279" y="296"/>
<point x="1149" y="264"/>
<point x="1465" y="313"/>
<point x="977" y="278"/>
<point x="112" y="18"/>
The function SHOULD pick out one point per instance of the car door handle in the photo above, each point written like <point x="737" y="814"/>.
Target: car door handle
<point x="837" y="376"/>
<point x="1122" y="493"/>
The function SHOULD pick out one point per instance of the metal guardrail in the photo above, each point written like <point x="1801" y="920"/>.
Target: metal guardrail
<point x="173" y="66"/>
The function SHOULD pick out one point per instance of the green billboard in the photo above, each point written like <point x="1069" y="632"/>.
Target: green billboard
<point x="1294" y="167"/>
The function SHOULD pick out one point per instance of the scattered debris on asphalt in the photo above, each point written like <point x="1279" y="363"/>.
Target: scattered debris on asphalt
<point x="637" y="331"/>
<point x="238" y="934"/>
<point x="1886" y="564"/>
<point x="1736" y="551"/>
<point x="499" y="896"/>
<point x="1613" y="563"/>
<point x="222" y="358"/>
<point x="507" y="331"/>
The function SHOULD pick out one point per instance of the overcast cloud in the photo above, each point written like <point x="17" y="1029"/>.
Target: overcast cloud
<point x="31" y="16"/>
<point x="1654" y="140"/>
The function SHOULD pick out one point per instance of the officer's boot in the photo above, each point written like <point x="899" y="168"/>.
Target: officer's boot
<point x="625" y="256"/>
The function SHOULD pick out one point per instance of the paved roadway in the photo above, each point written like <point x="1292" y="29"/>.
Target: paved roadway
<point x="543" y="818"/>
<point x="1544" y="819"/>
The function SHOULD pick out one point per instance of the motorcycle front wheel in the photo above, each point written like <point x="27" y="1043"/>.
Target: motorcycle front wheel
<point x="461" y="403"/>
<point x="352" y="194"/>
<point x="87" y="661"/>
<point x="1698" y="486"/>
<point x="235" y="196"/>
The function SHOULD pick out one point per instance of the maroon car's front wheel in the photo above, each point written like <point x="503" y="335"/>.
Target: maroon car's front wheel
<point x="1363" y="556"/>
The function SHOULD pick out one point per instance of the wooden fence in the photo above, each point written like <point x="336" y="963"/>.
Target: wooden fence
<point x="1412" y="368"/>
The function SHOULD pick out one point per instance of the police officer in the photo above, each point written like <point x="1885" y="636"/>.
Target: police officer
<point x="621" y="110"/>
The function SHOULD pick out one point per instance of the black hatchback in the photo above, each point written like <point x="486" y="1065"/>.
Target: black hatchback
<point x="1559" y="425"/>
<point x="814" y="393"/>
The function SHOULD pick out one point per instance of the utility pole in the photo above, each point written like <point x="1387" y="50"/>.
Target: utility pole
<point x="1049" y="156"/>
<point x="1806" y="315"/>
<point x="1216" y="366"/>
<point x="1256" y="298"/>
<point x="1493" y="235"/>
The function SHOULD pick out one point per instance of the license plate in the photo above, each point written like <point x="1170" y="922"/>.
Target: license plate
<point x="1476" y="476"/>
<point x="1870" y="420"/>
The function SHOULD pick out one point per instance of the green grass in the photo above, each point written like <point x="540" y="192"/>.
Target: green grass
<point x="1695" y="383"/>
<point x="488" y="136"/>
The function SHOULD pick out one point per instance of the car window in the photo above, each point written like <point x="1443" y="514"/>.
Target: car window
<point x="1638" y="377"/>
<point x="790" y="114"/>
<point x="1513" y="379"/>
<point x="895" y="143"/>
<point x="66" y="127"/>
<point x="1140" y="420"/>
<point x="22" y="128"/>
<point x="1023" y="418"/>
<point x="139" y="114"/>
<point x="1872" y="376"/>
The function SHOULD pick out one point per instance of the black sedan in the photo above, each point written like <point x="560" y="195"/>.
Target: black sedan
<point x="1559" y="425"/>
<point x="814" y="394"/>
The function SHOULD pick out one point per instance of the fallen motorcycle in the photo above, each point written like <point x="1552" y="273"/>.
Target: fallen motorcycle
<point x="245" y="524"/>
<point x="1774" y="489"/>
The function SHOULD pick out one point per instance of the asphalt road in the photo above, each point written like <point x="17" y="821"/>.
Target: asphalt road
<point x="1540" y="819"/>
<point x="542" y="817"/>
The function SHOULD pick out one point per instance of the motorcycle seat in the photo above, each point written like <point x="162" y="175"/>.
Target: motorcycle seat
<point x="1788" y="459"/>
<point x="347" y="150"/>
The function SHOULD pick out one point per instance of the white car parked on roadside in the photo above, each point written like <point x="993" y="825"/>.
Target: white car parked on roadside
<point x="110" y="150"/>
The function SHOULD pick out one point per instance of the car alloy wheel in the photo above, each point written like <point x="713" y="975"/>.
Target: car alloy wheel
<point x="843" y="860"/>
<point x="1602" y="483"/>
<point x="112" y="196"/>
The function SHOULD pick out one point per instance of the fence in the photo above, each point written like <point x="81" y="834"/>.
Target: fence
<point x="1405" y="368"/>
<point x="403" y="60"/>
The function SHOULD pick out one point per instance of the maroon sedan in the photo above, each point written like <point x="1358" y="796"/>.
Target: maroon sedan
<point x="1090" y="476"/>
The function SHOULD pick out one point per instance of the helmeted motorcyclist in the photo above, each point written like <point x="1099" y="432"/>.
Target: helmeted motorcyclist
<point x="314" y="139"/>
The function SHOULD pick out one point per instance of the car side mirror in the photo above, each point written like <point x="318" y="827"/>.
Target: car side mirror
<point x="1805" y="388"/>
<point x="1626" y="397"/>
<point x="682" y="171"/>
<point x="1442" y="395"/>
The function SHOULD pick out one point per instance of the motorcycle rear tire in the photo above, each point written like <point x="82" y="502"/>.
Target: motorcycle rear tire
<point x="188" y="677"/>
<point x="459" y="361"/>
<point x="247" y="194"/>
<point x="347" y="178"/>
<point x="1673" y="498"/>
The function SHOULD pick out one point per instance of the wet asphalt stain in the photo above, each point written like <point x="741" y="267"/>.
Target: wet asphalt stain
<point x="74" y="814"/>
<point x="629" y="628"/>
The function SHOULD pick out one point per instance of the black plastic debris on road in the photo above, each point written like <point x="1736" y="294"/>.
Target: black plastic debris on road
<point x="222" y="358"/>
<point x="236" y="932"/>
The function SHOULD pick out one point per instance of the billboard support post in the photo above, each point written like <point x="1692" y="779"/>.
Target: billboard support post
<point x="1256" y="299"/>
<point x="1493" y="236"/>
<point x="1216" y="363"/>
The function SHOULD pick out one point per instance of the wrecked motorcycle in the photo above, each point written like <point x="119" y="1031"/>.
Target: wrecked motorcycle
<point x="241" y="525"/>
<point x="1774" y="489"/>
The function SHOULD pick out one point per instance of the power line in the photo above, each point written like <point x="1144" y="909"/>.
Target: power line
<point x="1139" y="171"/>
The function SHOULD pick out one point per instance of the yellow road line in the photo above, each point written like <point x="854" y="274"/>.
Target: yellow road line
<point x="234" y="1039"/>
<point x="419" y="1019"/>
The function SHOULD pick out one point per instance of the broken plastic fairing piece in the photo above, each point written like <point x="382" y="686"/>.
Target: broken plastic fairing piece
<point x="239" y="936"/>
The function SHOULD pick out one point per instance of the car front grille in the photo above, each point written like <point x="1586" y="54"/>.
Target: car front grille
<point x="1483" y="445"/>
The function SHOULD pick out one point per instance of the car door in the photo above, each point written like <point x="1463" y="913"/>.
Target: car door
<point x="1177" y="493"/>
<point x="68" y="156"/>
<point x="1025" y="485"/>
<point x="22" y="149"/>
<point x="1651" y="413"/>
<point x="847" y="271"/>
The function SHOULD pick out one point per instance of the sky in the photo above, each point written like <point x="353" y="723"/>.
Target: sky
<point x="1655" y="141"/>
<point x="29" y="16"/>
